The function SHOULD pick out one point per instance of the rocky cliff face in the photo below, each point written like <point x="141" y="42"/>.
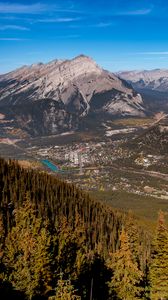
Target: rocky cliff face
<point x="152" y="80"/>
<point x="51" y="98"/>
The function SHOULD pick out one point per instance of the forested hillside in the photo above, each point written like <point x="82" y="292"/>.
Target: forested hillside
<point x="58" y="243"/>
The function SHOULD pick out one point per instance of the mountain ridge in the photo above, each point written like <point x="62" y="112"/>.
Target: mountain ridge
<point x="156" y="79"/>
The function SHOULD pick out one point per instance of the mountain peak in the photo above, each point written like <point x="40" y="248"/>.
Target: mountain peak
<point x="83" y="56"/>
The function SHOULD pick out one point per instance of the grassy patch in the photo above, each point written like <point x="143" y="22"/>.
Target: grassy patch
<point x="134" y="122"/>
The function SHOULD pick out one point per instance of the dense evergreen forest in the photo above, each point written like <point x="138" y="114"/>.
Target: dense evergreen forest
<point x="58" y="243"/>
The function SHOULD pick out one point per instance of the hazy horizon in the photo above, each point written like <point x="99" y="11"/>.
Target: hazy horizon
<point x="70" y="58"/>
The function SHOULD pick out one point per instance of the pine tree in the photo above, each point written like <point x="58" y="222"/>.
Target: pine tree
<point x="159" y="262"/>
<point x="71" y="248"/>
<point x="126" y="275"/>
<point x="27" y="253"/>
<point x="65" y="291"/>
<point x="133" y="235"/>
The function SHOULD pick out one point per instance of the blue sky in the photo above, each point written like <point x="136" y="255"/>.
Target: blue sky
<point x="118" y="34"/>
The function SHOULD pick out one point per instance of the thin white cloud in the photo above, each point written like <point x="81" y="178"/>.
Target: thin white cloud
<point x="36" y="8"/>
<point x="13" y="27"/>
<point x="58" y="20"/>
<point x="22" y="8"/>
<point x="139" y="12"/>
<point x="96" y="25"/>
<point x="151" y="58"/>
<point x="11" y="39"/>
<point x="154" y="53"/>
<point x="69" y="36"/>
<point x="102" y="24"/>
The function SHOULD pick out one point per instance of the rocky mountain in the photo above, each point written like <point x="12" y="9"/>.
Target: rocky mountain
<point x="153" y="80"/>
<point x="44" y="99"/>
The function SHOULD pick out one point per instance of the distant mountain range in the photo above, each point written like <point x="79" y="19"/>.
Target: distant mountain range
<point x="153" y="80"/>
<point x="44" y="99"/>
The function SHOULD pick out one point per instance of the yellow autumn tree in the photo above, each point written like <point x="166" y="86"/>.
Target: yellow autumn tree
<point x="65" y="290"/>
<point x="126" y="275"/>
<point x="27" y="253"/>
